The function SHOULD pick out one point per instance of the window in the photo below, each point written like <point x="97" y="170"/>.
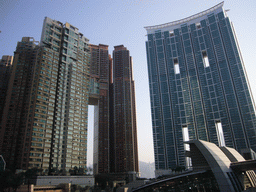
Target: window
<point x="220" y="134"/>
<point x="58" y="29"/>
<point x="176" y="66"/>
<point x="198" y="25"/>
<point x="185" y="135"/>
<point x="64" y="51"/>
<point x="171" y="33"/>
<point x="205" y="59"/>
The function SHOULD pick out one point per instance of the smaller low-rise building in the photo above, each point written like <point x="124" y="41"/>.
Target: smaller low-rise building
<point x="83" y="181"/>
<point x="44" y="188"/>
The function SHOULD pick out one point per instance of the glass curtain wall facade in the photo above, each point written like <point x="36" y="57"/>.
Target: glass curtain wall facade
<point x="197" y="83"/>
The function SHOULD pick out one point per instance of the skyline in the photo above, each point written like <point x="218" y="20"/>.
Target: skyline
<point x="127" y="19"/>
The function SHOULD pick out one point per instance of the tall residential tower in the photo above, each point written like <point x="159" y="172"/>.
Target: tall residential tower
<point x="44" y="119"/>
<point x="100" y="80"/>
<point x="124" y="131"/>
<point x="115" y="129"/>
<point x="16" y="123"/>
<point x="198" y="87"/>
<point x="5" y="73"/>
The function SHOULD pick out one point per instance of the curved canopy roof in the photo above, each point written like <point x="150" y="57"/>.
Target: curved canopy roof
<point x="185" y="20"/>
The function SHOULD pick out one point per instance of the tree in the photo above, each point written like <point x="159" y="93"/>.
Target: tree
<point x="5" y="177"/>
<point x="62" y="172"/>
<point x="89" y="171"/>
<point x="10" y="180"/>
<point x="81" y="171"/>
<point x="75" y="170"/>
<point x="17" y="181"/>
<point x="30" y="174"/>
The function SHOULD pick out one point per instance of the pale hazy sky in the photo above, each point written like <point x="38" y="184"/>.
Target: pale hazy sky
<point x="116" y="22"/>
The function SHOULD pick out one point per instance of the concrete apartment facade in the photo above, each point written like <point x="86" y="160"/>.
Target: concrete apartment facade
<point x="45" y="115"/>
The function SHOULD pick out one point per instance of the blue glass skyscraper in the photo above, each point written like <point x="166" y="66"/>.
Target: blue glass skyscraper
<point x="198" y="87"/>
